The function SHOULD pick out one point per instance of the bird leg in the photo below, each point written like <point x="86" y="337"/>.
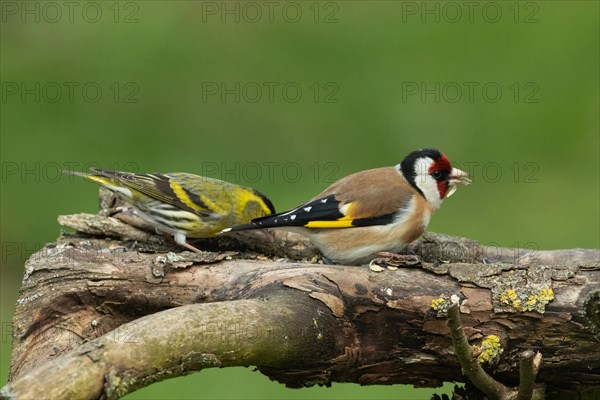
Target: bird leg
<point x="180" y="240"/>
<point x="190" y="247"/>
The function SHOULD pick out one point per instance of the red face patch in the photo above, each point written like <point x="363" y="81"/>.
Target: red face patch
<point x="443" y="188"/>
<point x="442" y="165"/>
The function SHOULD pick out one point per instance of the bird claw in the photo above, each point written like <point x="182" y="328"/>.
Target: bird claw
<point x="393" y="261"/>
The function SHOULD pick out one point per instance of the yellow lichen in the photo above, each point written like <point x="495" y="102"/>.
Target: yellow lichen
<point x="436" y="303"/>
<point x="546" y="295"/>
<point x="490" y="349"/>
<point x="524" y="299"/>
<point x="440" y="305"/>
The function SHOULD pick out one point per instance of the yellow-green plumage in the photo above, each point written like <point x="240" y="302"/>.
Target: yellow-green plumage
<point x="185" y="205"/>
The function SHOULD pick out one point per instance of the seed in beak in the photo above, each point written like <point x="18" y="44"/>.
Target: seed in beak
<point x="457" y="177"/>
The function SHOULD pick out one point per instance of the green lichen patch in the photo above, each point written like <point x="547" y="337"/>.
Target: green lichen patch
<point x="442" y="303"/>
<point x="526" y="299"/>
<point x="591" y="311"/>
<point x="523" y="290"/>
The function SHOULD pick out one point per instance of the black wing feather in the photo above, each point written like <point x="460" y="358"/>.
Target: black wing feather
<point x="324" y="209"/>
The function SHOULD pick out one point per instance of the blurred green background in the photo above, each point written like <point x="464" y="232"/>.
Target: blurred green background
<point x="289" y="96"/>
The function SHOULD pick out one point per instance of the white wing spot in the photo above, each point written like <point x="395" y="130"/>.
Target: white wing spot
<point x="307" y="209"/>
<point x="293" y="217"/>
<point x="324" y="201"/>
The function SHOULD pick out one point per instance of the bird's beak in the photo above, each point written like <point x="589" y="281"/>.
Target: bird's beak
<point x="457" y="177"/>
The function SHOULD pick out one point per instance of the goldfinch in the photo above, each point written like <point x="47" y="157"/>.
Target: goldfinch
<point x="372" y="211"/>
<point x="184" y="205"/>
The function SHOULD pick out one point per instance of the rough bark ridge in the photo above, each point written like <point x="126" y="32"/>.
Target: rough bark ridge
<point x="102" y="316"/>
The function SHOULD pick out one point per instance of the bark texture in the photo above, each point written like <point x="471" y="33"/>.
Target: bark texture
<point x="102" y="316"/>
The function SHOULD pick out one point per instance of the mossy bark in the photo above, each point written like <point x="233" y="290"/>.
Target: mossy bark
<point x="183" y="340"/>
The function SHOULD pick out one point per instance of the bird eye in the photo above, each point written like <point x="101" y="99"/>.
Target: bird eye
<point x="436" y="175"/>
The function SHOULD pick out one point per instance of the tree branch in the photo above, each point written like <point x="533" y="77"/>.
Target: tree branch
<point x="472" y="369"/>
<point x="529" y="366"/>
<point x="180" y="341"/>
<point x="343" y="324"/>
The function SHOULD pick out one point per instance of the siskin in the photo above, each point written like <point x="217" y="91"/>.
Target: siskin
<point x="184" y="205"/>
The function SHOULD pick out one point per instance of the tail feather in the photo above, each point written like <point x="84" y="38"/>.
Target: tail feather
<point x="283" y="219"/>
<point x="238" y="228"/>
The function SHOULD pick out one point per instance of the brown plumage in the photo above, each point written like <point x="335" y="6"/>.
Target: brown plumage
<point x="358" y="245"/>
<point x="388" y="192"/>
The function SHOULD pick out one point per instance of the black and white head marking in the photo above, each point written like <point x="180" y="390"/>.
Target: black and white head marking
<point x="427" y="171"/>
